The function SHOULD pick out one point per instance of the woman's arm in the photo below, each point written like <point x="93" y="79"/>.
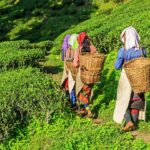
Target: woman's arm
<point x="92" y="48"/>
<point x="120" y="59"/>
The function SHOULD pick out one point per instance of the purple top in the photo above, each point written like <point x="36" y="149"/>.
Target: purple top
<point x="126" y="55"/>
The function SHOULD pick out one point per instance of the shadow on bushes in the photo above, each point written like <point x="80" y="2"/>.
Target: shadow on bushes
<point x="54" y="20"/>
<point x="52" y="69"/>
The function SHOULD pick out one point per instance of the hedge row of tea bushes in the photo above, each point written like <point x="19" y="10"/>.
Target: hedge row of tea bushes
<point x="74" y="134"/>
<point x="21" y="53"/>
<point x="105" y="29"/>
<point x="40" y="20"/>
<point x="67" y="131"/>
<point x="26" y="93"/>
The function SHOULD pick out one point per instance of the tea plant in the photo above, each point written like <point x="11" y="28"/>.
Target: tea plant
<point x="21" y="53"/>
<point x="105" y="29"/>
<point x="26" y="93"/>
<point x="66" y="132"/>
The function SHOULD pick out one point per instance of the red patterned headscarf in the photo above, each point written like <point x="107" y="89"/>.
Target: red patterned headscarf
<point x="81" y="38"/>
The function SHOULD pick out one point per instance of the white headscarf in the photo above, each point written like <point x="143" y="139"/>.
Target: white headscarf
<point x="132" y="38"/>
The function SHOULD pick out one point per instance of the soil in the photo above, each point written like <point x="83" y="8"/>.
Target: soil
<point x="141" y="135"/>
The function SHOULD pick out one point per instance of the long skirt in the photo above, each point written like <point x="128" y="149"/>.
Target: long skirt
<point x="124" y="92"/>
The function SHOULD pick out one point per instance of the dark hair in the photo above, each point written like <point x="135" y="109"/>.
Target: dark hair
<point x="86" y="45"/>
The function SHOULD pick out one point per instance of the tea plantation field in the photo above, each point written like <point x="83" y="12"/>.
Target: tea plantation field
<point x="34" y="112"/>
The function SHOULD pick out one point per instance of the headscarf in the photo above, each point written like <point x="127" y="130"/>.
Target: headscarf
<point x="73" y="41"/>
<point x="132" y="38"/>
<point x="81" y="38"/>
<point x="65" y="45"/>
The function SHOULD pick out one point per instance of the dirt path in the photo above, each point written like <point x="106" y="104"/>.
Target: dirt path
<point x="141" y="135"/>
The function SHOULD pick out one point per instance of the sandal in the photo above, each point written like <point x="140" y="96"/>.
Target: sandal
<point x="129" y="127"/>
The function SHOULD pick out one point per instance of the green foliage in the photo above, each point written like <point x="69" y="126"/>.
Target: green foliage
<point x="39" y="20"/>
<point x="44" y="45"/>
<point x="21" y="53"/>
<point x="118" y="1"/>
<point x="73" y="133"/>
<point x="72" y="9"/>
<point x="26" y="93"/>
<point x="28" y="96"/>
<point x="105" y="30"/>
<point x="106" y="1"/>
<point x="79" y="2"/>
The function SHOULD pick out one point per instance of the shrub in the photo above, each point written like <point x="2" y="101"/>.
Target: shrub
<point x="74" y="133"/>
<point x="105" y="30"/>
<point x="21" y="53"/>
<point x="72" y="9"/>
<point x="118" y="1"/>
<point x="26" y="93"/>
<point x="79" y="2"/>
<point x="106" y="1"/>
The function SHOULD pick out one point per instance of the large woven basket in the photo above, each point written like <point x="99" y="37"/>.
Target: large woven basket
<point x="138" y="73"/>
<point x="90" y="67"/>
<point x="72" y="69"/>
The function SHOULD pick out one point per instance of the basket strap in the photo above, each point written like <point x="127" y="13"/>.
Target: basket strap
<point x="125" y="55"/>
<point x="142" y="53"/>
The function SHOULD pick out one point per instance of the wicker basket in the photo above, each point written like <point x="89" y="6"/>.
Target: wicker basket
<point x="138" y="73"/>
<point x="91" y="66"/>
<point x="72" y="69"/>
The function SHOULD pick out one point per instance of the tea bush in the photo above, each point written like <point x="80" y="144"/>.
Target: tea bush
<point x="73" y="133"/>
<point x="40" y="20"/>
<point x="21" y="53"/>
<point x="26" y="93"/>
<point x="105" y="30"/>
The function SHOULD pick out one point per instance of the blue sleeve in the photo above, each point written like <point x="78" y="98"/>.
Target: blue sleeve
<point x="120" y="59"/>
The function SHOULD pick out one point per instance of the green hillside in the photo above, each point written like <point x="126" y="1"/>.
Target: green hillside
<point x="39" y="20"/>
<point x="105" y="28"/>
<point x="34" y="112"/>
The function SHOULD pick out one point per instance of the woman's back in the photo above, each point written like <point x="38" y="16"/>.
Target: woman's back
<point x="126" y="55"/>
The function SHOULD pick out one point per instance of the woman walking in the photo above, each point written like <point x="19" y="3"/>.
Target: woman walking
<point x="70" y="42"/>
<point x="129" y="105"/>
<point x="83" y="91"/>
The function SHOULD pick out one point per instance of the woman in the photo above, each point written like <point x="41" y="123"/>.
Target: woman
<point x="129" y="105"/>
<point x="67" y="80"/>
<point x="83" y="91"/>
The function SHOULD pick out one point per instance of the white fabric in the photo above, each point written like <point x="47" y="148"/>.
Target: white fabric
<point x="71" y="82"/>
<point x="132" y="38"/>
<point x="123" y="99"/>
<point x="67" y="74"/>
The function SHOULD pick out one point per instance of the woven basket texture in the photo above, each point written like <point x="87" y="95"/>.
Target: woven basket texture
<point x="91" y="66"/>
<point x="138" y="73"/>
